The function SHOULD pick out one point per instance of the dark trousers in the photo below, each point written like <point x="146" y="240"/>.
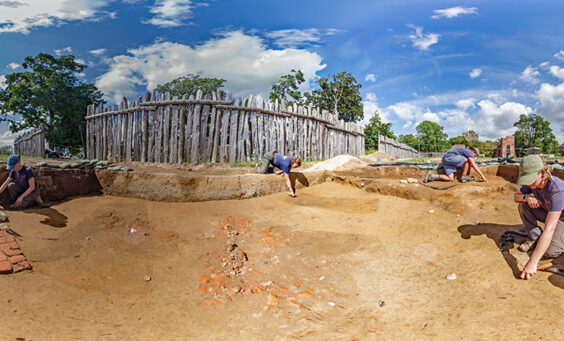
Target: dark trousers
<point x="266" y="164"/>
<point x="16" y="190"/>
<point x="530" y="217"/>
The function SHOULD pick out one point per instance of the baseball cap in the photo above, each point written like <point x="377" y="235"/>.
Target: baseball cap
<point x="529" y="169"/>
<point x="12" y="160"/>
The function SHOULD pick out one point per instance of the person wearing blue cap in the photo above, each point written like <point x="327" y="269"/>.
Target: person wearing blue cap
<point x="453" y="160"/>
<point x="541" y="199"/>
<point x="21" y="184"/>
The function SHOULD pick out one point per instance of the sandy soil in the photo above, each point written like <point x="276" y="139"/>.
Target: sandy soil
<point x="335" y="263"/>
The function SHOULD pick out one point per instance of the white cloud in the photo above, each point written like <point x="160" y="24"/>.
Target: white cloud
<point x="551" y="101"/>
<point x="370" y="105"/>
<point x="530" y="75"/>
<point x="475" y="73"/>
<point x="422" y="41"/>
<point x="494" y="120"/>
<point x="3" y="83"/>
<point x="249" y="68"/>
<point x="557" y="72"/>
<point x="98" y="52"/>
<point x="370" y="77"/>
<point x="170" y="13"/>
<point x="296" y="38"/>
<point x="559" y="55"/>
<point x="22" y="16"/>
<point x="7" y="138"/>
<point x="13" y="65"/>
<point x="63" y="51"/>
<point x="453" y="12"/>
<point x="466" y="103"/>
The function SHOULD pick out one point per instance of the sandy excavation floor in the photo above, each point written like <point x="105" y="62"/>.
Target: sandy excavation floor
<point x="335" y="263"/>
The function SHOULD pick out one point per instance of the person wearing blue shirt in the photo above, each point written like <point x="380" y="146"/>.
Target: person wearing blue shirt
<point x="278" y="163"/>
<point x="453" y="160"/>
<point x="21" y="184"/>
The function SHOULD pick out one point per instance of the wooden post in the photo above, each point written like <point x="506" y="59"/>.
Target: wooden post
<point x="182" y="132"/>
<point x="211" y="137"/>
<point x="196" y="129"/>
<point x="216" y="136"/>
<point x="233" y="136"/>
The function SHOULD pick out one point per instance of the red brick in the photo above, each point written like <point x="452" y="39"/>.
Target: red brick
<point x="13" y="245"/>
<point x="10" y="238"/>
<point x="3" y="240"/>
<point x="5" y="268"/>
<point x="3" y="257"/>
<point x="3" y="233"/>
<point x="4" y="246"/>
<point x="13" y="252"/>
<point x="15" y="259"/>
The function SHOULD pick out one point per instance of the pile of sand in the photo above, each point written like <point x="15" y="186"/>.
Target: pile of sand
<point x="340" y="162"/>
<point x="371" y="158"/>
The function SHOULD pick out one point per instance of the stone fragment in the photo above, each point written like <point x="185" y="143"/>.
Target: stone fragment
<point x="431" y="211"/>
<point x="412" y="180"/>
<point x="40" y="164"/>
<point x="5" y="267"/>
<point x="451" y="276"/>
<point x="331" y="303"/>
<point x="403" y="181"/>
<point x="16" y="259"/>
<point x="65" y="165"/>
<point x="3" y="216"/>
<point x="147" y="278"/>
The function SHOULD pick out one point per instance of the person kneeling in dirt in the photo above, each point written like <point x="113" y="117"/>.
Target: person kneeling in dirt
<point x="453" y="160"/>
<point x="541" y="198"/>
<point x="278" y="163"/>
<point x="21" y="184"/>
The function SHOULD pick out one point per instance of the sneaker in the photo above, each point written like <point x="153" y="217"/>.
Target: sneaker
<point x="526" y="245"/>
<point x="428" y="177"/>
<point x="466" y="178"/>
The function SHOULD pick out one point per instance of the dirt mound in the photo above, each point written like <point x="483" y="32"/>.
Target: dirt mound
<point x="376" y="156"/>
<point x="340" y="162"/>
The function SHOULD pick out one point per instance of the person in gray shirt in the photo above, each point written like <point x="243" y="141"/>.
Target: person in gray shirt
<point x="21" y="184"/>
<point x="541" y="199"/>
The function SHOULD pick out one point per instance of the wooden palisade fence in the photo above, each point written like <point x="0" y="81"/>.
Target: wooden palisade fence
<point x="31" y="143"/>
<point x="215" y="128"/>
<point x="396" y="149"/>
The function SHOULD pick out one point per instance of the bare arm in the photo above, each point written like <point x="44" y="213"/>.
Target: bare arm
<point x="531" y="200"/>
<point x="542" y="244"/>
<point x="5" y="184"/>
<point x="476" y="168"/>
<point x="289" y="184"/>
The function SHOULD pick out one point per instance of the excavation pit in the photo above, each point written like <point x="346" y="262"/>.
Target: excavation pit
<point x="357" y="255"/>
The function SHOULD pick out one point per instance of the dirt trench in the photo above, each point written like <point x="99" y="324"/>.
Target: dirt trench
<point x="358" y="255"/>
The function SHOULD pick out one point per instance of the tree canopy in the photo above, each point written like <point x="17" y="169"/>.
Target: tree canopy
<point x="287" y="87"/>
<point x="339" y="94"/>
<point x="431" y="137"/>
<point x="374" y="128"/>
<point x="190" y="84"/>
<point x="49" y="93"/>
<point x="410" y="140"/>
<point x="534" y="131"/>
<point x="471" y="136"/>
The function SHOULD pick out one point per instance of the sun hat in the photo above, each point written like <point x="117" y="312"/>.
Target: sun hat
<point x="476" y="150"/>
<point x="12" y="160"/>
<point x="529" y="169"/>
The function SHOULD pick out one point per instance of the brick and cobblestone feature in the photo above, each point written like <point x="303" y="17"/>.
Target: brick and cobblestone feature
<point x="12" y="258"/>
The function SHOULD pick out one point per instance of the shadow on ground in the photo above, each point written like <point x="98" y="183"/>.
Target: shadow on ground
<point x="494" y="232"/>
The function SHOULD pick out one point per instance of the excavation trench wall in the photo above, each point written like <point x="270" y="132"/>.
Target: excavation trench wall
<point x="61" y="184"/>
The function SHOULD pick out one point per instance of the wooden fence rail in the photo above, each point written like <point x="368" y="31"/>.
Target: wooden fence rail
<point x="31" y="143"/>
<point x="215" y="128"/>
<point x="396" y="149"/>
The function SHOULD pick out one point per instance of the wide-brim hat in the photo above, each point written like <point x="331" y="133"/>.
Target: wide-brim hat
<point x="529" y="169"/>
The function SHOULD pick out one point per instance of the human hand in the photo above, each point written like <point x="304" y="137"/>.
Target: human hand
<point x="533" y="202"/>
<point x="19" y="202"/>
<point x="484" y="178"/>
<point x="529" y="270"/>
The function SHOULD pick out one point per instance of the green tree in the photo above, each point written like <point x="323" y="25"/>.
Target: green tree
<point x="534" y="131"/>
<point x="49" y="94"/>
<point x="287" y="87"/>
<point x="339" y="94"/>
<point x="410" y="140"/>
<point x="458" y="140"/>
<point x="432" y="137"/>
<point x="190" y="84"/>
<point x="374" y="128"/>
<point x="471" y="136"/>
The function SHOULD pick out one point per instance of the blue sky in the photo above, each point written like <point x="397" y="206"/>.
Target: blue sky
<point x="463" y="64"/>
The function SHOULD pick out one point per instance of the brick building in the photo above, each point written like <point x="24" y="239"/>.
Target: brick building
<point x="506" y="147"/>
